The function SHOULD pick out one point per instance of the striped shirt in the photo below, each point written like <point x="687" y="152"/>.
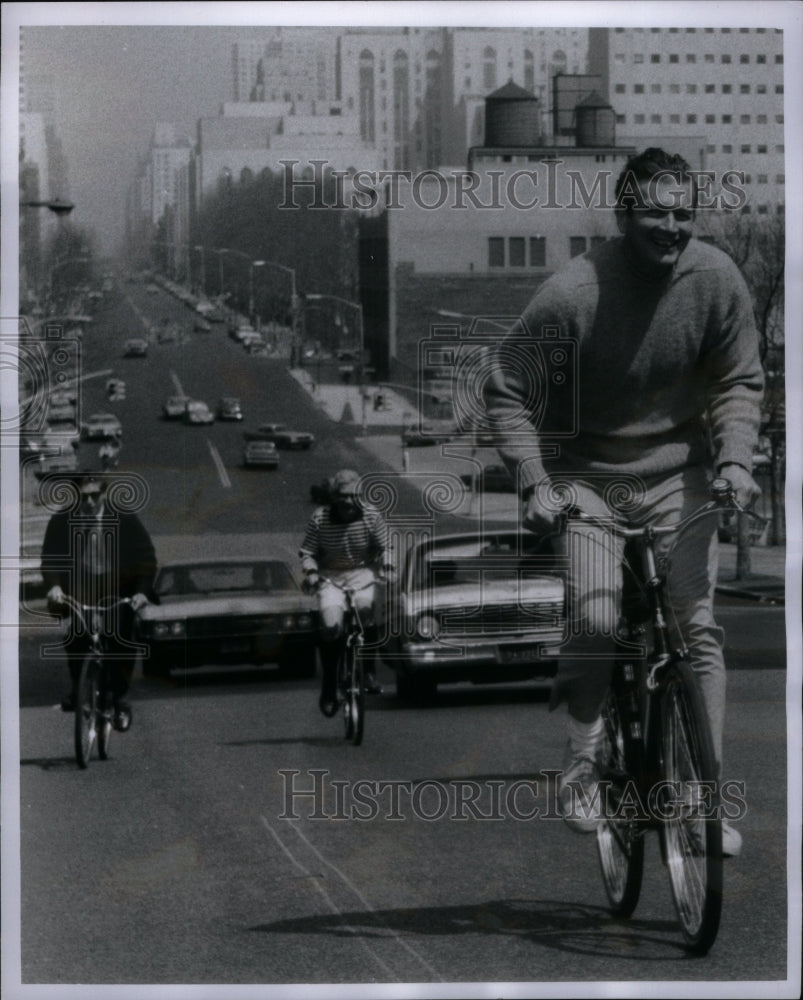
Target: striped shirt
<point x="329" y="545"/>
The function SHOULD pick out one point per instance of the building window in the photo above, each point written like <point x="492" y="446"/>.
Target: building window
<point x="727" y="148"/>
<point x="779" y="60"/>
<point x="674" y="119"/>
<point x="761" y="149"/>
<point x="489" y="68"/>
<point x="674" y="88"/>
<point x="655" y="119"/>
<point x="744" y="59"/>
<point x="725" y="57"/>
<point x="691" y="88"/>
<point x="621" y="119"/>
<point x="761" y="88"/>
<point x="780" y="148"/>
<point x="726" y="88"/>
<point x="779" y="88"/>
<point x="496" y="251"/>
<point x="761" y="119"/>
<point x="744" y="88"/>
<point x="537" y="251"/>
<point x="516" y="251"/>
<point x="761" y="179"/>
<point x="577" y="245"/>
<point x="727" y="119"/>
<point x="638" y="119"/>
<point x="619" y="58"/>
<point x="710" y="149"/>
<point x="691" y="57"/>
<point x="709" y="57"/>
<point x="655" y="88"/>
<point x="638" y="58"/>
<point x="761" y="60"/>
<point x="655" y="57"/>
<point x="691" y="119"/>
<point x="620" y="88"/>
<point x="780" y="178"/>
<point x="779" y="119"/>
<point x="762" y="209"/>
<point x="710" y="119"/>
<point x="638" y="88"/>
<point x="745" y="148"/>
<point x="744" y="119"/>
<point x="673" y="58"/>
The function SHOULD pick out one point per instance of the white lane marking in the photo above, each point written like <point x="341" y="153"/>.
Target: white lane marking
<point x="221" y="468"/>
<point x="329" y="901"/>
<point x="177" y="383"/>
<point x="347" y="882"/>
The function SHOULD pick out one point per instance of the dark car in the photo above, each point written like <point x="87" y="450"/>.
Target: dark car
<point x="227" y="611"/>
<point x="281" y="436"/>
<point x="476" y="606"/>
<point x="260" y="453"/>
<point x="137" y="347"/>
<point x="493" y="479"/>
<point x="229" y="408"/>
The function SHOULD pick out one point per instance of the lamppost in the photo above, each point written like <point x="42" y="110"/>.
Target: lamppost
<point x="319" y="297"/>
<point x="251" y="264"/>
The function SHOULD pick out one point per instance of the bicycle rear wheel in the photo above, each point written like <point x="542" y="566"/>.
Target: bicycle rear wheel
<point x="692" y="831"/>
<point x="86" y="710"/>
<point x="620" y="835"/>
<point x="104" y="717"/>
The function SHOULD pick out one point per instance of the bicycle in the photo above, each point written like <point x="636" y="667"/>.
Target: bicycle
<point x="657" y="763"/>
<point x="350" y="667"/>
<point x="94" y="706"/>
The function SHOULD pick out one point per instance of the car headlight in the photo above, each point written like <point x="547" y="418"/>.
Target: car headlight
<point x="163" y="629"/>
<point x="288" y="622"/>
<point x="428" y="627"/>
<point x="304" y="621"/>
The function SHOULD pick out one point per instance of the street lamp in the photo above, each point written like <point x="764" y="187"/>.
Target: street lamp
<point x="319" y="297"/>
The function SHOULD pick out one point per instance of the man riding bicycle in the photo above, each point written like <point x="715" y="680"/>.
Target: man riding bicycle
<point x="97" y="555"/>
<point x="347" y="541"/>
<point x="669" y="385"/>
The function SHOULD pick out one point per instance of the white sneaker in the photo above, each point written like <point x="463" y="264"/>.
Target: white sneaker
<point x="731" y="841"/>
<point x="580" y="795"/>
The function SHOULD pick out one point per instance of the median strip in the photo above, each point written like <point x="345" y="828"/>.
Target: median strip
<point x="221" y="468"/>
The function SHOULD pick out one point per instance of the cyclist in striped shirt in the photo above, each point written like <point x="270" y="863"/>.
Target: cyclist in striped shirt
<point x="347" y="541"/>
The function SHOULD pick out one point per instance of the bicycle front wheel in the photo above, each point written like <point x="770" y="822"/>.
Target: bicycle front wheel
<point x="620" y="835"/>
<point x="104" y="716"/>
<point x="354" y="695"/>
<point x="691" y="827"/>
<point x="86" y="710"/>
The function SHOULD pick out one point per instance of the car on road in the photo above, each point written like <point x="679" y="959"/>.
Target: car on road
<point x="197" y="412"/>
<point x="481" y="607"/>
<point x="420" y="435"/>
<point x="174" y="406"/>
<point x="281" y="436"/>
<point x="137" y="347"/>
<point x="242" y="333"/>
<point x="260" y="453"/>
<point x="169" y="334"/>
<point x="64" y="463"/>
<point x="228" y="611"/>
<point x="100" y="426"/>
<point x="229" y="408"/>
<point x="492" y="479"/>
<point x="200" y="325"/>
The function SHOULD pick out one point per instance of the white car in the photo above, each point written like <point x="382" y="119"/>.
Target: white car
<point x="101" y="426"/>
<point x="475" y="607"/>
<point x="197" y="412"/>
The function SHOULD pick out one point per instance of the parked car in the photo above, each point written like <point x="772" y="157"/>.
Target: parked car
<point x="204" y="307"/>
<point x="424" y="434"/>
<point x="197" y="412"/>
<point x="281" y="436"/>
<point x="260" y="453"/>
<point x="200" y="325"/>
<point x="65" y="462"/>
<point x="174" y="406"/>
<point x="242" y="332"/>
<point x="228" y="611"/>
<point x="229" y="408"/>
<point x="135" y="348"/>
<point x="168" y="334"/>
<point x="100" y="426"/>
<point x="493" y="479"/>
<point x="479" y="607"/>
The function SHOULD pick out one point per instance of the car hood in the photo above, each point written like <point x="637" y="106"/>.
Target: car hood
<point x="464" y="595"/>
<point x="200" y="605"/>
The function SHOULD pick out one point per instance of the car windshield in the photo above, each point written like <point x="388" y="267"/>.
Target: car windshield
<point x="475" y="560"/>
<point x="207" y="578"/>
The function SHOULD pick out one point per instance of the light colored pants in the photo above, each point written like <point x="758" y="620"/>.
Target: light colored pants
<point x="332" y="601"/>
<point x="594" y="557"/>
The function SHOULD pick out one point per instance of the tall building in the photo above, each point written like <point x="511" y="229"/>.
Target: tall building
<point x="725" y="84"/>
<point x="290" y="64"/>
<point x="169" y="152"/>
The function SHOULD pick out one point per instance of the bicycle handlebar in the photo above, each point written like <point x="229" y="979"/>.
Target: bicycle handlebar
<point x="83" y="610"/>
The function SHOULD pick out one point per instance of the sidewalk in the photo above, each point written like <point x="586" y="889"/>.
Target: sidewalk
<point x="343" y="403"/>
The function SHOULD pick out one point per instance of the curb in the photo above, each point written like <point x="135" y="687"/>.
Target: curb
<point x="752" y="595"/>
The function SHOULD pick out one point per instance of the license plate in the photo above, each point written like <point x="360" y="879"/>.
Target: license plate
<point x="235" y="645"/>
<point x="518" y="654"/>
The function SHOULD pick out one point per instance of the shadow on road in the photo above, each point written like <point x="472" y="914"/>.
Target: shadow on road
<point x="572" y="928"/>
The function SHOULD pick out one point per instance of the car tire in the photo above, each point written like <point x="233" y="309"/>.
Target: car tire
<point x="415" y="689"/>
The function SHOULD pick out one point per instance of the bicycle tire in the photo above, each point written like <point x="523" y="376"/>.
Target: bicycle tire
<point x="86" y="705"/>
<point x="620" y="837"/>
<point x="357" y="695"/>
<point x="104" y="717"/>
<point x="692" y="833"/>
<point x="346" y="661"/>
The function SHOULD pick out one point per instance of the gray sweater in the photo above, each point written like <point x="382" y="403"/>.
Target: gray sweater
<point x="642" y="376"/>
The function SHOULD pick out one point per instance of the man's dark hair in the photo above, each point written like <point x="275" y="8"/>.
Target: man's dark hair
<point x="653" y="162"/>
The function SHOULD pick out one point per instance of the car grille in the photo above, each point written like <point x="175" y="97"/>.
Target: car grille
<point x="500" y="619"/>
<point x="226" y="626"/>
